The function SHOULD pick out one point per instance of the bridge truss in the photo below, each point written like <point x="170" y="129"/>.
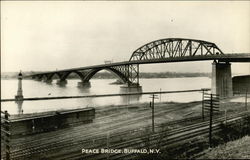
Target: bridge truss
<point x="174" y="47"/>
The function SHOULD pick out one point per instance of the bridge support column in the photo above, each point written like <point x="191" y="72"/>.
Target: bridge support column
<point x="131" y="88"/>
<point x="222" y="79"/>
<point x="84" y="84"/>
<point x="61" y="82"/>
<point x="38" y="79"/>
<point x="48" y="81"/>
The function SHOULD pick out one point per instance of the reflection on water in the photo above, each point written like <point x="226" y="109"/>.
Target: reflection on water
<point x="33" y="88"/>
<point x="19" y="107"/>
<point x="130" y="98"/>
<point x="83" y="90"/>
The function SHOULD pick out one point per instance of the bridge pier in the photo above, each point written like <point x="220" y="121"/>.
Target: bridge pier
<point x="38" y="79"/>
<point x="84" y="84"/>
<point x="131" y="88"/>
<point x="48" y="81"/>
<point x="61" y="82"/>
<point x="222" y="79"/>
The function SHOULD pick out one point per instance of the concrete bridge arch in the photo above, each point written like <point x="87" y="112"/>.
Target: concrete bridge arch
<point x="87" y="75"/>
<point x="113" y="71"/>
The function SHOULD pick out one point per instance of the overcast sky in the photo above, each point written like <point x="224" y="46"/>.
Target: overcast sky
<point x="47" y="35"/>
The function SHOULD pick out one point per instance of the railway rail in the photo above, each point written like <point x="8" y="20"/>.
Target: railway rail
<point x="120" y="140"/>
<point x="174" y="137"/>
<point x="67" y="139"/>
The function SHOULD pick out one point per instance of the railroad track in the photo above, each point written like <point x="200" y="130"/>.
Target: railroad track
<point x="109" y="119"/>
<point x="175" y="137"/>
<point x="89" y="126"/>
<point x="43" y="148"/>
<point x="49" y="146"/>
<point x="33" y="148"/>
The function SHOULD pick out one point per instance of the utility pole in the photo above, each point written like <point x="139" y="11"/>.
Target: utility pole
<point x="211" y="120"/>
<point x="151" y="106"/>
<point x="153" y="117"/>
<point x="211" y="104"/>
<point x="246" y="100"/>
<point x="225" y="116"/>
<point x="153" y="110"/>
<point x="108" y="136"/>
<point x="202" y="104"/>
<point x="160" y="94"/>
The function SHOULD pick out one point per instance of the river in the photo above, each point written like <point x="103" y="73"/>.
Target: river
<point x="33" y="88"/>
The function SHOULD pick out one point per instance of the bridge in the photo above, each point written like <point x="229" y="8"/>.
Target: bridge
<point x="160" y="51"/>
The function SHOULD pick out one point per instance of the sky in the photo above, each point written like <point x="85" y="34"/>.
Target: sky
<point x="50" y="35"/>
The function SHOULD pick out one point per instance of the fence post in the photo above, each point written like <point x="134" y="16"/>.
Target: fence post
<point x="7" y="135"/>
<point x="108" y="137"/>
<point x="153" y="110"/>
<point x="246" y="100"/>
<point x="160" y="94"/>
<point x="225" y="116"/>
<point x="202" y="104"/>
<point x="153" y="117"/>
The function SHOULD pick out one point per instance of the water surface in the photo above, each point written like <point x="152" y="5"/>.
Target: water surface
<point x="33" y="88"/>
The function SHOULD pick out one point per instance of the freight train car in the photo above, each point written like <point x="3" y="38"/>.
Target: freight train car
<point x="39" y="123"/>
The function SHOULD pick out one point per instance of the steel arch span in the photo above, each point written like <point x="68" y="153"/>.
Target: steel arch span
<point x="174" y="47"/>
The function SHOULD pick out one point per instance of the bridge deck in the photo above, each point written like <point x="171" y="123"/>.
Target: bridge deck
<point x="241" y="57"/>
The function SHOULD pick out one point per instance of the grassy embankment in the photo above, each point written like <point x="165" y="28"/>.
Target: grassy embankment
<point x="238" y="149"/>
